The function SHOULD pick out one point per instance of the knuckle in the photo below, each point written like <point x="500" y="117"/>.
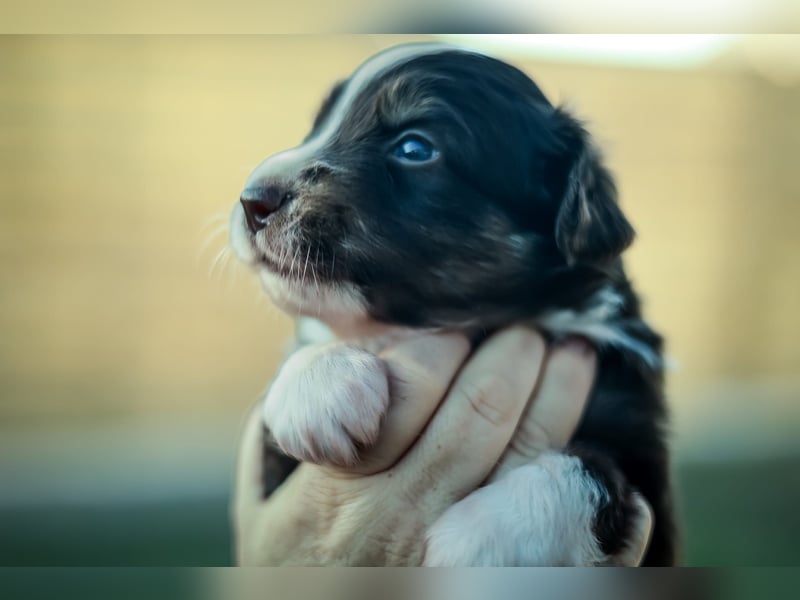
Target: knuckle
<point x="489" y="398"/>
<point x="531" y="439"/>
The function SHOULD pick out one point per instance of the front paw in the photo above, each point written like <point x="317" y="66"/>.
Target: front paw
<point x="326" y="403"/>
<point x="541" y="514"/>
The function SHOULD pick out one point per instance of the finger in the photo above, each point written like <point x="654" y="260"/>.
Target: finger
<point x="554" y="412"/>
<point x="248" y="484"/>
<point x="474" y="424"/>
<point x="420" y="370"/>
<point x="642" y="530"/>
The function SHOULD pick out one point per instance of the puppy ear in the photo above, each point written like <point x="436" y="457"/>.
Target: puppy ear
<point x="590" y="227"/>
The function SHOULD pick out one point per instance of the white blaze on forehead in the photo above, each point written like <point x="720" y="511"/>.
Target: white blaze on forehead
<point x="361" y="78"/>
<point x="366" y="74"/>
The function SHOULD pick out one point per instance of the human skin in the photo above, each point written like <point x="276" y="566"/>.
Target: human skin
<point x="455" y="420"/>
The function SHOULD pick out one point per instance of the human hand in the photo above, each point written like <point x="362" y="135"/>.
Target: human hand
<point x="431" y="452"/>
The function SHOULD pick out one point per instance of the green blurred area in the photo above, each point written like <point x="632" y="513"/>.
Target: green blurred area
<point x="187" y="532"/>
<point x="733" y="515"/>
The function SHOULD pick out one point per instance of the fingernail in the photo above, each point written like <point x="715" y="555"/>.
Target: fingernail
<point x="577" y="344"/>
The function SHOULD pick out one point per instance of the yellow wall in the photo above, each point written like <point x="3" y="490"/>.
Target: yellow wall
<point x="118" y="152"/>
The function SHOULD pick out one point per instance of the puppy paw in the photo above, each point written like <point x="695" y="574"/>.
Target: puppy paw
<point x="540" y="514"/>
<point x="326" y="402"/>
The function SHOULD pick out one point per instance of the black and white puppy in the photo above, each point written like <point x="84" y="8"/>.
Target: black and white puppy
<point x="439" y="188"/>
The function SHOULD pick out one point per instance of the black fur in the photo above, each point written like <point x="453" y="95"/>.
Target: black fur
<point x="517" y="216"/>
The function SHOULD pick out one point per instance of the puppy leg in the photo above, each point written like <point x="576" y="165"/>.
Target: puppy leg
<point x="326" y="402"/>
<point x="552" y="512"/>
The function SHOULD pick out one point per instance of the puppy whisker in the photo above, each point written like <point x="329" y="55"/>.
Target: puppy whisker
<point x="212" y="236"/>
<point x="305" y="266"/>
<point x="214" y="220"/>
<point x="218" y="260"/>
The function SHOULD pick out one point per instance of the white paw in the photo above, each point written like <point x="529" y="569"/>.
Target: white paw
<point x="326" y="402"/>
<point x="536" y="515"/>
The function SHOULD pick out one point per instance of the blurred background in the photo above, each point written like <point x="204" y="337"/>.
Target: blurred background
<point x="130" y="347"/>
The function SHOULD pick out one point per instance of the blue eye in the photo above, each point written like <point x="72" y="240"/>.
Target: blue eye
<point x="414" y="148"/>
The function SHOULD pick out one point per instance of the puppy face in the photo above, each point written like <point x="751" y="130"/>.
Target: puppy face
<point x="438" y="187"/>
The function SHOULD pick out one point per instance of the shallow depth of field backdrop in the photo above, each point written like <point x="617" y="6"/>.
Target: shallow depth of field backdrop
<point x="127" y="361"/>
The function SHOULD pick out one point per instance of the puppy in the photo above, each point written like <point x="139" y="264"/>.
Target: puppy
<point x="439" y="188"/>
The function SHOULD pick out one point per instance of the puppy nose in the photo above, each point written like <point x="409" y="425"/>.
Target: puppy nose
<point x="260" y="202"/>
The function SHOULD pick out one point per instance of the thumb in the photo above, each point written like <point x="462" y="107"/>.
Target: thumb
<point x="642" y="529"/>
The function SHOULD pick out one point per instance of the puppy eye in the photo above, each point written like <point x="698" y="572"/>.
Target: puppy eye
<point x="414" y="148"/>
